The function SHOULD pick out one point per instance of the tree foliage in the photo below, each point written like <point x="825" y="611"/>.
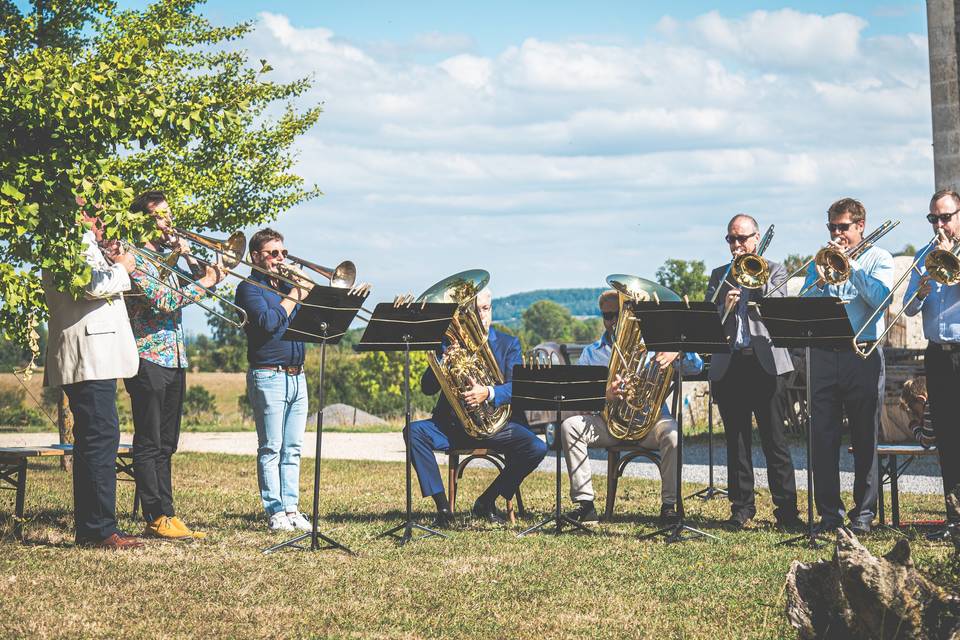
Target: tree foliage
<point x="98" y="103"/>
<point x="685" y="277"/>
<point x="794" y="261"/>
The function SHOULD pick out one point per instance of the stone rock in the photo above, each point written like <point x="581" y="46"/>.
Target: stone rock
<point x="343" y="415"/>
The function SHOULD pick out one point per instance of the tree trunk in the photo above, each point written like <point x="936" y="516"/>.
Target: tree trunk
<point x="857" y="596"/>
<point x="65" y="426"/>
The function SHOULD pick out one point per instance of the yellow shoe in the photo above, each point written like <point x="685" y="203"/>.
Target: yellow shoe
<point x="163" y="527"/>
<point x="180" y="525"/>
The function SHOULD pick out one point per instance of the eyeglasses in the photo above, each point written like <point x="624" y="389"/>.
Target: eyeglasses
<point x="731" y="238"/>
<point x="839" y="226"/>
<point x="944" y="218"/>
<point x="610" y="315"/>
<point x="275" y="253"/>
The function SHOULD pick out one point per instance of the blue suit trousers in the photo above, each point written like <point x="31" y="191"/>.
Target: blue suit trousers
<point x="522" y="449"/>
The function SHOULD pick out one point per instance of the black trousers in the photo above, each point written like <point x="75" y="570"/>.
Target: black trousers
<point x="943" y="385"/>
<point x="746" y="390"/>
<point x="156" y="397"/>
<point x="96" y="435"/>
<point x="844" y="383"/>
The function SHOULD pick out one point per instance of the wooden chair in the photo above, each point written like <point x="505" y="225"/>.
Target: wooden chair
<point x="618" y="457"/>
<point x="456" y="466"/>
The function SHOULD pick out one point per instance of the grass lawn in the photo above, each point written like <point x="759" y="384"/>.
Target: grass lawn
<point x="481" y="582"/>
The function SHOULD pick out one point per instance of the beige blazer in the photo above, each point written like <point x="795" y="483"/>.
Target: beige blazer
<point x="90" y="338"/>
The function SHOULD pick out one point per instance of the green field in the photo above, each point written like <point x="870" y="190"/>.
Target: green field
<point x="481" y="582"/>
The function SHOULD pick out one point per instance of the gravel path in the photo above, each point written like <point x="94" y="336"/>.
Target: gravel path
<point x="923" y="474"/>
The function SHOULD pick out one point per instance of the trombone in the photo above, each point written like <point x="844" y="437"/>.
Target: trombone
<point x="940" y="265"/>
<point x="749" y="270"/>
<point x="833" y="262"/>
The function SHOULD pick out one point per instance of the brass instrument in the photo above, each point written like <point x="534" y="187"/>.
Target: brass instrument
<point x="342" y="276"/>
<point x="941" y="265"/>
<point x="749" y="270"/>
<point x="646" y="384"/>
<point x="231" y="251"/>
<point x="468" y="354"/>
<point x="833" y="262"/>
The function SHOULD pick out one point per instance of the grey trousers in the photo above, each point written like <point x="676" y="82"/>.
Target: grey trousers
<point x="579" y="433"/>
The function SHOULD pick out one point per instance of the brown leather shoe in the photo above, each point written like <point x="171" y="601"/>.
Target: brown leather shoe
<point x="115" y="542"/>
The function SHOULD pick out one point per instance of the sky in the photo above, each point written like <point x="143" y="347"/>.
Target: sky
<point x="554" y="143"/>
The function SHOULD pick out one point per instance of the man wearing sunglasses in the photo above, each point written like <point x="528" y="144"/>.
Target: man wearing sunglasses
<point x="940" y="309"/>
<point x="580" y="433"/>
<point x="276" y="383"/>
<point x="843" y="383"/>
<point x="744" y="385"/>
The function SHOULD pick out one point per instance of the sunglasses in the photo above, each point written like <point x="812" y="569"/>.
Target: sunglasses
<point x="944" y="218"/>
<point x="839" y="226"/>
<point x="732" y="238"/>
<point x="276" y="253"/>
<point x="610" y="315"/>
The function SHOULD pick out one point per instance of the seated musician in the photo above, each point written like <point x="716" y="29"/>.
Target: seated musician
<point x="443" y="431"/>
<point x="579" y="433"/>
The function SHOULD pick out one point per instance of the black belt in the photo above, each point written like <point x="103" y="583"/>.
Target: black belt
<point x="947" y="347"/>
<point x="866" y="344"/>
<point x="290" y="371"/>
<point x="746" y="351"/>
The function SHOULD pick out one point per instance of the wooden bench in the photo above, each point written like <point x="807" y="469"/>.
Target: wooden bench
<point x="617" y="462"/>
<point x="13" y="473"/>
<point x="890" y="470"/>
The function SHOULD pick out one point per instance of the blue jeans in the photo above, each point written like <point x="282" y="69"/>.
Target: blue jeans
<point x="279" y="403"/>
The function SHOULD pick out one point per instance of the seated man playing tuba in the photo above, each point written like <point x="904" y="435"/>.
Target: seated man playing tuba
<point x="444" y="430"/>
<point x="579" y="433"/>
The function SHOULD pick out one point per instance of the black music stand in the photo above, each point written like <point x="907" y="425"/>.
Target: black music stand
<point x="574" y="388"/>
<point x="807" y="322"/>
<point x="323" y="316"/>
<point x="710" y="491"/>
<point x="684" y="327"/>
<point x="406" y="328"/>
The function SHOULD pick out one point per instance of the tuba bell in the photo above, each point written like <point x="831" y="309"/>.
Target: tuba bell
<point x="468" y="354"/>
<point x="647" y="383"/>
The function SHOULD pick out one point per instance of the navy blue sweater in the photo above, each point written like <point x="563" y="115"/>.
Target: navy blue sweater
<point x="266" y="322"/>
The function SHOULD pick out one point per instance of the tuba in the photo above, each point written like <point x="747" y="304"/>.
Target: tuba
<point x="468" y="354"/>
<point x="647" y="383"/>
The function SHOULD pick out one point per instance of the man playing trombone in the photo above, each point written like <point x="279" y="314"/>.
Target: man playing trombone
<point x="158" y="389"/>
<point x="843" y="382"/>
<point x="744" y="384"/>
<point x="939" y="305"/>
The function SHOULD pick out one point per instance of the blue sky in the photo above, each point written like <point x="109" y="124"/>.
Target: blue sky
<point x="554" y="143"/>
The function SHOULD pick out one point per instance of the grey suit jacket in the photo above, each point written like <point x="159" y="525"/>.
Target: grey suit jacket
<point x="774" y="360"/>
<point x="90" y="338"/>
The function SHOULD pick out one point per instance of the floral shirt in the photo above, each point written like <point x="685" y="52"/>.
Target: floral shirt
<point x="156" y="316"/>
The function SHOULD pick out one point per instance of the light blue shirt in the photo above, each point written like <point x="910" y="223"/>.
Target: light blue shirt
<point x="742" y="339"/>
<point x="871" y="277"/>
<point x="941" y="307"/>
<point x="598" y="354"/>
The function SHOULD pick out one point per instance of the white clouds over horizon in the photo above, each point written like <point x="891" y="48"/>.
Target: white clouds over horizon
<point x="553" y="163"/>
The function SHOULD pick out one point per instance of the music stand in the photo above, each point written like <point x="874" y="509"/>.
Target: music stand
<point x="684" y="327"/>
<point x="406" y="328"/>
<point x="807" y="322"/>
<point x="710" y="491"/>
<point x="322" y="317"/>
<point x="574" y="388"/>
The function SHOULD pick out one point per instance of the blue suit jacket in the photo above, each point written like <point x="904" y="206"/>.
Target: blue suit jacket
<point x="506" y="350"/>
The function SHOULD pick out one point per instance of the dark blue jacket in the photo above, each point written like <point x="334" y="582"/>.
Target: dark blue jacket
<point x="266" y="322"/>
<point x="506" y="350"/>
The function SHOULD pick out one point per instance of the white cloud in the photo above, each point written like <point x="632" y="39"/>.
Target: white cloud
<point x="552" y="163"/>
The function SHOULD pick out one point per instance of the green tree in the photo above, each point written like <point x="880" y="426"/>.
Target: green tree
<point x="908" y="250"/>
<point x="585" y="331"/>
<point x="546" y="320"/>
<point x="794" y="261"/>
<point x="97" y="103"/>
<point x="686" y="277"/>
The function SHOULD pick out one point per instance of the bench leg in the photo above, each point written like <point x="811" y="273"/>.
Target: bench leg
<point x="880" y="507"/>
<point x="520" y="510"/>
<point x="894" y="492"/>
<point x="613" y="461"/>
<point x="21" y="497"/>
<point x="453" y="464"/>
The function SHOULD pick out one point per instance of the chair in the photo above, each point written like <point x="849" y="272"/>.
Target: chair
<point x="456" y="467"/>
<point x="617" y="462"/>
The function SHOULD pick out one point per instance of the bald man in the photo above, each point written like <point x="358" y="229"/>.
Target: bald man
<point x="443" y="431"/>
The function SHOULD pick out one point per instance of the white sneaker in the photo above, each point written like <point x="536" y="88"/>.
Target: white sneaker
<point x="280" y="522"/>
<point x="299" y="521"/>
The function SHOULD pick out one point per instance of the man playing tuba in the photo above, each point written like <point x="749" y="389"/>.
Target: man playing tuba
<point x="444" y="431"/>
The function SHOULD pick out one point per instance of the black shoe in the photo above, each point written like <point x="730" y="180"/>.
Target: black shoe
<point x="488" y="512"/>
<point x="584" y="515"/>
<point x="444" y="519"/>
<point x="859" y="529"/>
<point x="736" y="522"/>
<point x="823" y="528"/>
<point x="668" y="514"/>
<point x="791" y="524"/>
